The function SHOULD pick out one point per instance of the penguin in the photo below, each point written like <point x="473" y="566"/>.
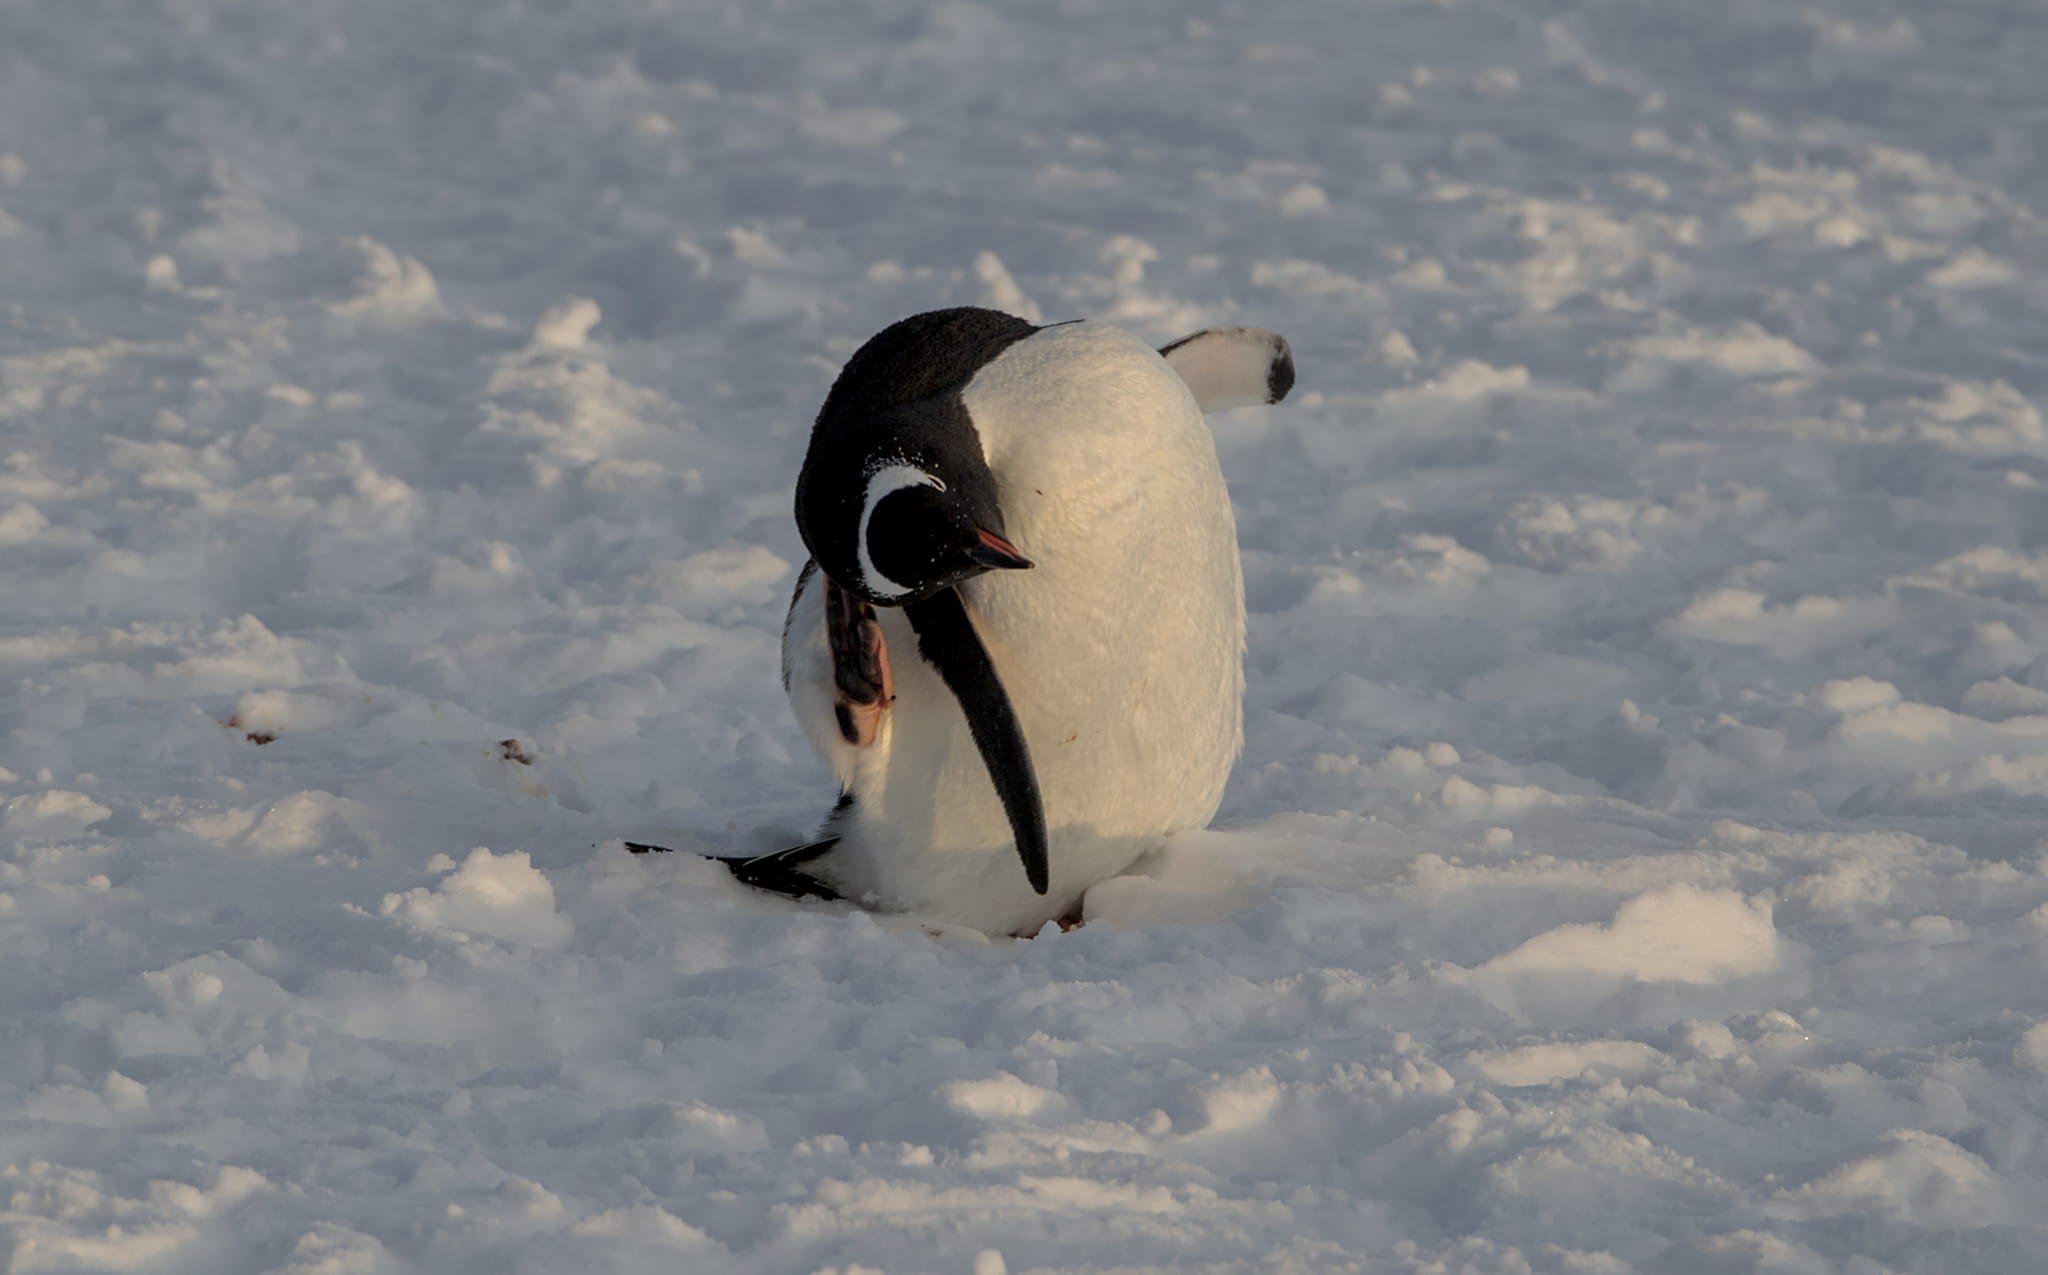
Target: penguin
<point x="1019" y="640"/>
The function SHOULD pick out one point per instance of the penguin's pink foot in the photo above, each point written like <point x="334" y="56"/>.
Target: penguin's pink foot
<point x="861" y="685"/>
<point x="1070" y="922"/>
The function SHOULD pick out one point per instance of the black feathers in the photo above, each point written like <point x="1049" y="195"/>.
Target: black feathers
<point x="898" y="402"/>
<point x="917" y="357"/>
<point x="948" y="642"/>
<point x="778" y="873"/>
<point x="782" y="872"/>
<point x="1280" y="376"/>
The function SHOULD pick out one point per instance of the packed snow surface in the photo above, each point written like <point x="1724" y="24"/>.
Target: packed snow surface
<point x="1637" y="858"/>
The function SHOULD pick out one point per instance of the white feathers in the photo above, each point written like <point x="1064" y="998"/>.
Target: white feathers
<point x="1121" y="649"/>
<point x="887" y="481"/>
<point x="1233" y="367"/>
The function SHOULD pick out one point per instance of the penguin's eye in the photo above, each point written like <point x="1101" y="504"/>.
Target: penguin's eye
<point x="909" y="537"/>
<point x="900" y="509"/>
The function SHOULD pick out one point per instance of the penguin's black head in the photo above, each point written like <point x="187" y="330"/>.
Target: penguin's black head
<point x="896" y="501"/>
<point x="918" y="533"/>
<point x="904" y="509"/>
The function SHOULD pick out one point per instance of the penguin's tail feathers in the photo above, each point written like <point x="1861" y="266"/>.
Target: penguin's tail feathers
<point x="778" y="873"/>
<point x="782" y="872"/>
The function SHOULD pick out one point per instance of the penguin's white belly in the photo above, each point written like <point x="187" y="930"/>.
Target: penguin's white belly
<point x="1121" y="649"/>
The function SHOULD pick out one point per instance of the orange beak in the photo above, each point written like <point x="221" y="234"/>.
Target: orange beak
<point x="997" y="553"/>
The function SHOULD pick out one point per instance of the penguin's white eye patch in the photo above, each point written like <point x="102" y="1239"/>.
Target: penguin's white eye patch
<point x="883" y="483"/>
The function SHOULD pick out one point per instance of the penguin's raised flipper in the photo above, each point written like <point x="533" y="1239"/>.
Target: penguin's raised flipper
<point x="1232" y="367"/>
<point x="947" y="641"/>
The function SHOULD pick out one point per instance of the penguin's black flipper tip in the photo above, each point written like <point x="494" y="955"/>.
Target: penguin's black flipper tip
<point x="782" y="872"/>
<point x="1032" y="850"/>
<point x="1037" y="871"/>
<point x="1280" y="374"/>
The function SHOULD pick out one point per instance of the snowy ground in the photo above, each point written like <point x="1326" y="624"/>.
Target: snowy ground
<point x="1637" y="860"/>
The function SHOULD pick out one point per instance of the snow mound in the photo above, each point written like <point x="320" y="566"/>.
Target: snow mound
<point x="1678" y="935"/>
<point x="495" y="896"/>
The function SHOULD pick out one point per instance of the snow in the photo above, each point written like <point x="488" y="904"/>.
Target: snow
<point x="1637" y="859"/>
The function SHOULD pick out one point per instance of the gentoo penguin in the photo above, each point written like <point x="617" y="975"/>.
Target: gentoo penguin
<point x="1019" y="642"/>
